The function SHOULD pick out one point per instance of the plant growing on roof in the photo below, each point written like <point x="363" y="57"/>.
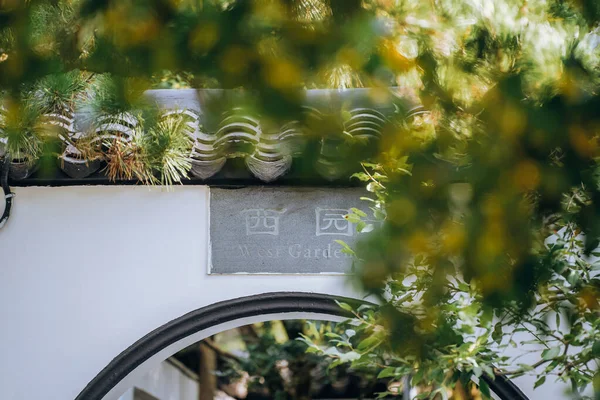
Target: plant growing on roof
<point x="112" y="112"/>
<point x="114" y="106"/>
<point x="57" y="96"/>
<point x="158" y="152"/>
<point x="23" y="132"/>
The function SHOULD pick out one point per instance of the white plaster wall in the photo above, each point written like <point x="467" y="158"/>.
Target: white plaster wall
<point x="87" y="271"/>
<point x="165" y="382"/>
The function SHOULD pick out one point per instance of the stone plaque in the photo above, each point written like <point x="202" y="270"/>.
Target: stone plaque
<point x="274" y="230"/>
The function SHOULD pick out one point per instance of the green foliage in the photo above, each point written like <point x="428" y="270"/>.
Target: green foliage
<point x="459" y="337"/>
<point x="58" y="93"/>
<point x="292" y="366"/>
<point x="113" y="96"/>
<point x="137" y="140"/>
<point x="157" y="152"/>
<point x="22" y="129"/>
<point x="487" y="191"/>
<point x="165" y="150"/>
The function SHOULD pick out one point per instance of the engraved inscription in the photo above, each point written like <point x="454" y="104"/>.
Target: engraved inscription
<point x="279" y="230"/>
<point x="295" y="251"/>
<point x="261" y="221"/>
<point x="331" y="221"/>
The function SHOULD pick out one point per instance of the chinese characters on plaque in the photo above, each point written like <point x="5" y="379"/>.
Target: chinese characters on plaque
<point x="261" y="221"/>
<point x="333" y="222"/>
<point x="282" y="230"/>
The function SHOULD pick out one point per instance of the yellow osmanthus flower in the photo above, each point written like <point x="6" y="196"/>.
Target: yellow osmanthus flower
<point x="350" y="57"/>
<point x="282" y="74"/>
<point x="526" y="175"/>
<point x="582" y="142"/>
<point x="138" y="29"/>
<point x="379" y="95"/>
<point x="492" y="242"/>
<point x="401" y="211"/>
<point x="568" y="85"/>
<point x="204" y="37"/>
<point x="235" y="60"/>
<point x="419" y="242"/>
<point x="512" y="121"/>
<point x="271" y="10"/>
<point x="14" y="65"/>
<point x="374" y="273"/>
<point x="453" y="238"/>
<point x="394" y="57"/>
<point x="589" y="298"/>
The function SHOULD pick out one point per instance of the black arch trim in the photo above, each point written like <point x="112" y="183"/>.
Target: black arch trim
<point x="504" y="388"/>
<point x="226" y="311"/>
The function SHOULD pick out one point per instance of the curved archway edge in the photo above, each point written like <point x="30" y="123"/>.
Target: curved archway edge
<point x="231" y="310"/>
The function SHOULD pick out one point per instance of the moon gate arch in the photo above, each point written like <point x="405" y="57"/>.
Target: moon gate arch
<point x="153" y="348"/>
